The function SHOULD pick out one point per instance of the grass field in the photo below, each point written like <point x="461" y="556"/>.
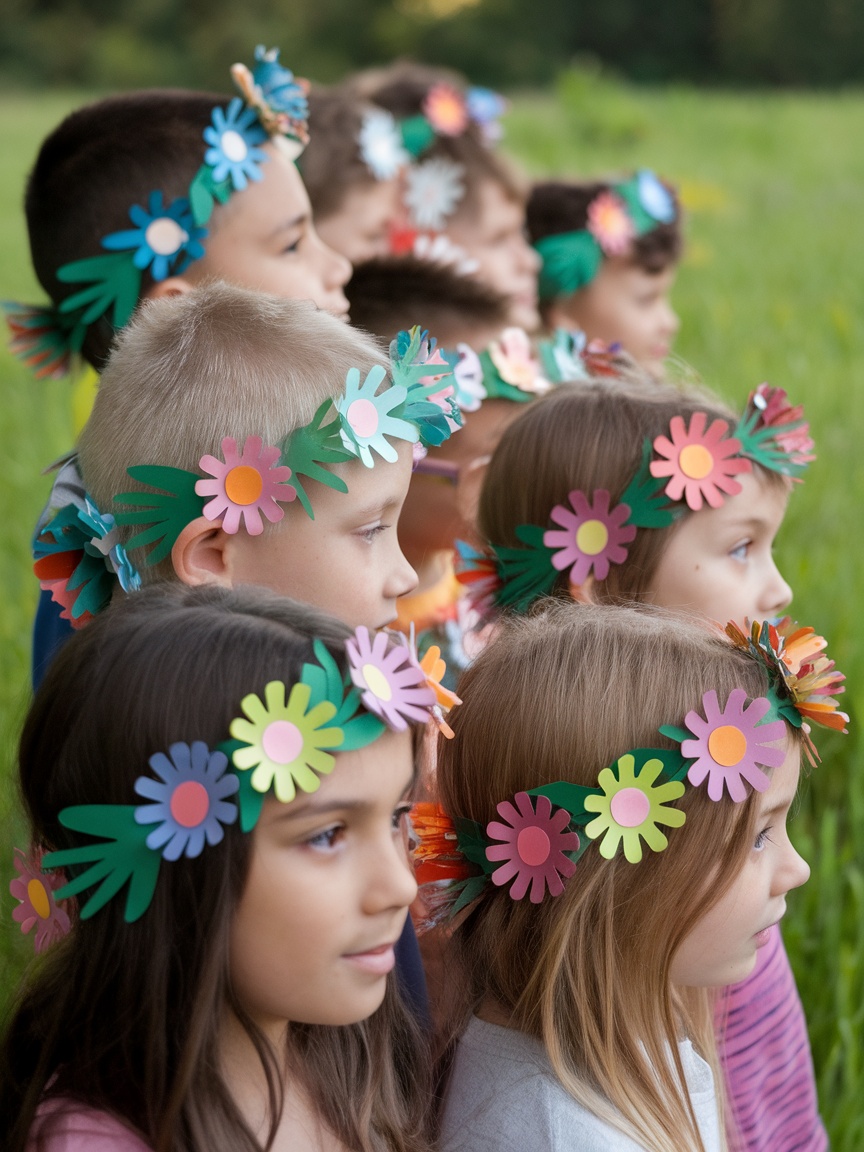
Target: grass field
<point x="772" y="289"/>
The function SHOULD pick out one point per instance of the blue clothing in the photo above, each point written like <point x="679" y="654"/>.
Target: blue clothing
<point x="412" y="979"/>
<point x="50" y="633"/>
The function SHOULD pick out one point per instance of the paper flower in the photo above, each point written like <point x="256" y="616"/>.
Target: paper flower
<point x="485" y="108"/>
<point x="610" y="224"/>
<point x="592" y="537"/>
<point x="189" y="799"/>
<point x="366" y="419"/>
<point x="164" y="239"/>
<point x="392" y="684"/>
<point x="533" y="848"/>
<point x="701" y="465"/>
<point x="245" y="485"/>
<point x="278" y="98"/>
<point x="468" y="378"/>
<point x="445" y="110"/>
<point x="478" y="572"/>
<point x="440" y="249"/>
<point x="380" y="144"/>
<point x="234" y="136"/>
<point x="285" y="741"/>
<point x="654" y="197"/>
<point x="632" y="807"/>
<point x="791" y="430"/>
<point x="434" y="189"/>
<point x="34" y="890"/>
<point x="105" y="543"/>
<point x="567" y="348"/>
<point x="514" y="359"/>
<point x="730" y="745"/>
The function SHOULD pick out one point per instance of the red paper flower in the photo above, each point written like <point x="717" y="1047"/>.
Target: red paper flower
<point x="533" y="848"/>
<point x="610" y="224"/>
<point x="34" y="890"/>
<point x="445" y="110"/>
<point x="701" y="465"/>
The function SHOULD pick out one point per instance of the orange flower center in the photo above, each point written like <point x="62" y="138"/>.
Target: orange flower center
<point x="695" y="461"/>
<point x="243" y="484"/>
<point x="38" y="898"/>
<point x="727" y="745"/>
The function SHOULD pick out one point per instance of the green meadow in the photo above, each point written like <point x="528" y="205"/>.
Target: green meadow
<point x="772" y="288"/>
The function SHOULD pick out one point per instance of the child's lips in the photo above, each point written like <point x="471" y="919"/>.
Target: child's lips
<point x="377" y="961"/>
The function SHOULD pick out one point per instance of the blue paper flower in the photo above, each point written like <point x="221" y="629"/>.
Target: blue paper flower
<point x="190" y="805"/>
<point x="165" y="239"/>
<point x="104" y="543"/>
<point x="234" y="136"/>
<point x="654" y="198"/>
<point x="366" y="419"/>
<point x="279" y="87"/>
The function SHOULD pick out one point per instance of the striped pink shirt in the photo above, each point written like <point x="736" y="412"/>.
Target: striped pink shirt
<point x="766" y="1057"/>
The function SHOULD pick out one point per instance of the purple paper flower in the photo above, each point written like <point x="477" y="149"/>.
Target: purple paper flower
<point x="533" y="848"/>
<point x="592" y="538"/>
<point x="391" y="682"/>
<point x="730" y="744"/>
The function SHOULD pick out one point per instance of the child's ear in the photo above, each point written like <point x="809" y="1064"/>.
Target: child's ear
<point x="173" y="286"/>
<point x="202" y="554"/>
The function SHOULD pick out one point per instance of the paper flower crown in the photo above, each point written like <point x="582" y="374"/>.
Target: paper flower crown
<point x="78" y="555"/>
<point x="544" y="831"/>
<point x="166" y="238"/>
<point x="281" y="744"/>
<point x="616" y="217"/>
<point x="695" y="467"/>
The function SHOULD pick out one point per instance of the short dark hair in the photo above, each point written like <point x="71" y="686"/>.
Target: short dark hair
<point x="94" y="166"/>
<point x="556" y="206"/>
<point x="331" y="162"/>
<point x="392" y="293"/>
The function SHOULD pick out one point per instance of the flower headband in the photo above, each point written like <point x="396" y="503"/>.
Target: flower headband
<point x="696" y="467"/>
<point x="544" y="831"/>
<point x="281" y="744"/>
<point x="616" y="217"/>
<point x="78" y="555"/>
<point x="166" y="238"/>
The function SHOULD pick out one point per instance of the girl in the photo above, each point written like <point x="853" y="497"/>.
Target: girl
<point x="235" y="994"/>
<point x="613" y="829"/>
<point x="657" y="495"/>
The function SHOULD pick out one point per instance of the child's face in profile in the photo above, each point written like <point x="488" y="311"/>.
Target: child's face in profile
<point x="493" y="234"/>
<point x="722" y="947"/>
<point x="719" y="562"/>
<point x="264" y="239"/>
<point x="360" y="228"/>
<point x="624" y="303"/>
<point x="327" y="894"/>
<point x="347" y="560"/>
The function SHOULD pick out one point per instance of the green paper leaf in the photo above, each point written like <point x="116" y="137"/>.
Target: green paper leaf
<point x="470" y="890"/>
<point x="306" y="449"/>
<point x="204" y="191"/>
<point x="249" y="801"/>
<point x="361" y="731"/>
<point x="570" y="797"/>
<point x="115" y="283"/>
<point x="642" y="221"/>
<point x="645" y="496"/>
<point x="526" y="573"/>
<point x="676" y="734"/>
<point x="417" y="134"/>
<point x="571" y="260"/>
<point x="472" y="843"/>
<point x="121" y="856"/>
<point x="762" y="447"/>
<point x="166" y="512"/>
<point x="325" y="682"/>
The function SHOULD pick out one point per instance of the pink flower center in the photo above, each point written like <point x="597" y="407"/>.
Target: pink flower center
<point x="727" y="745"/>
<point x="377" y="682"/>
<point x="362" y="415"/>
<point x="282" y="742"/>
<point x="592" y="537"/>
<point x="190" y="803"/>
<point x="38" y="898"/>
<point x="629" y="807"/>
<point x="533" y="846"/>
<point x="243" y="484"/>
<point x="695" y="461"/>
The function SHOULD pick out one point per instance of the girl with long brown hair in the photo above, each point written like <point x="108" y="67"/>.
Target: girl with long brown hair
<point x="223" y="822"/>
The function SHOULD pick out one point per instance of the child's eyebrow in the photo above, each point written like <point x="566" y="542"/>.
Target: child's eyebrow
<point x="289" y="224"/>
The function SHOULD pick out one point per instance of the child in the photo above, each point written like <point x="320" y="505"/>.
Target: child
<point x="609" y="257"/>
<point x="234" y="995"/>
<point x="589" y="939"/>
<point x="655" y="495"/>
<point x="459" y="186"/>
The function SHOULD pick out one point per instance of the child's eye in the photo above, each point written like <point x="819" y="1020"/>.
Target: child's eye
<point x="291" y="248"/>
<point x="762" y="839"/>
<point x="369" y="534"/>
<point x="400" y="815"/>
<point x="328" y="839"/>
<point x="740" y="551"/>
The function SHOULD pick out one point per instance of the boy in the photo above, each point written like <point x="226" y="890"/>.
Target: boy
<point x="610" y="254"/>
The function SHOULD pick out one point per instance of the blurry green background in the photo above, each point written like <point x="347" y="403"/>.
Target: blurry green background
<point x="772" y="287"/>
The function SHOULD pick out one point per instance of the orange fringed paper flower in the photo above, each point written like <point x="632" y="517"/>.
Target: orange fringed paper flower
<point x="436" y="856"/>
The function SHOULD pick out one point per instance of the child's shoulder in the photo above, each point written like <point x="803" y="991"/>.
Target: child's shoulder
<point x="64" y="1125"/>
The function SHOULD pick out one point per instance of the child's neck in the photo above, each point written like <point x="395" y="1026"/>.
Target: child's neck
<point x="431" y="567"/>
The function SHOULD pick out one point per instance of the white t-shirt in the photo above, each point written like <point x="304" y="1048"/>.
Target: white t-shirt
<point x="504" y="1097"/>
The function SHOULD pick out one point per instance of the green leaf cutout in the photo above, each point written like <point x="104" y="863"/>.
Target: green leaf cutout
<point x="115" y="284"/>
<point x="204" y="193"/>
<point x="164" y="513"/>
<point x="306" y="449"/>
<point x="359" y="727"/>
<point x="570" y="797"/>
<point x="526" y="573"/>
<point x="249" y="800"/>
<point x="762" y="445"/>
<point x="472" y="843"/>
<point x="644" y="495"/>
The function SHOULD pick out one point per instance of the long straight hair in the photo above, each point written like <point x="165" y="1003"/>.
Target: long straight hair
<point x="558" y="696"/>
<point x="124" y="1017"/>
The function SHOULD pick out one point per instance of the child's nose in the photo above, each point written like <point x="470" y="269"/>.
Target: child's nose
<point x="338" y="269"/>
<point x="796" y="870"/>
<point x="403" y="578"/>
<point x="391" y="878"/>
<point x="778" y="594"/>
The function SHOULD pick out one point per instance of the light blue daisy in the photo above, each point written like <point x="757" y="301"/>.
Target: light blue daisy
<point x="654" y="198"/>
<point x="366" y="419"/>
<point x="234" y="136"/>
<point x="190" y="803"/>
<point x="278" y="85"/>
<point x="165" y="239"/>
<point x="104" y="543"/>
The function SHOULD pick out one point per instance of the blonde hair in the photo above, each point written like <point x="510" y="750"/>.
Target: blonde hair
<point x="219" y="361"/>
<point x="558" y="696"/>
<point x="589" y="436"/>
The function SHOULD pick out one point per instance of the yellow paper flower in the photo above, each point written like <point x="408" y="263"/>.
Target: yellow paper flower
<point x="632" y="807"/>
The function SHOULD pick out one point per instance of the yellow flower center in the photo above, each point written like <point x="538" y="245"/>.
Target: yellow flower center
<point x="38" y="898"/>
<point x="727" y="745"/>
<point x="592" y="537"/>
<point x="695" y="461"/>
<point x="243" y="484"/>
<point x="377" y="682"/>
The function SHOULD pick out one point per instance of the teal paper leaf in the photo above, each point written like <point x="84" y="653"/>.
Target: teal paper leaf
<point x="249" y="800"/>
<point x="526" y="573"/>
<point x="306" y="449"/>
<point x="164" y="513"/>
<point x="646" y="499"/>
<point x="570" y="797"/>
<point x="115" y="284"/>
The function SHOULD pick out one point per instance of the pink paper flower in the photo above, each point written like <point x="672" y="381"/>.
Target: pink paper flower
<point x="779" y="414"/>
<point x="534" y="843"/>
<point x="610" y="224"/>
<point x="729" y="747"/>
<point x="592" y="537"/>
<point x="445" y="110"/>
<point x="391" y="682"/>
<point x="34" y="890"/>
<point x="700" y="464"/>
<point x="246" y="485"/>
<point x="514" y="358"/>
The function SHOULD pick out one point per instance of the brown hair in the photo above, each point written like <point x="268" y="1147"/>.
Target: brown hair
<point x="585" y="437"/>
<point x="126" y="1017"/>
<point x="558" y="696"/>
<point x="393" y="293"/>
<point x="331" y="162"/>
